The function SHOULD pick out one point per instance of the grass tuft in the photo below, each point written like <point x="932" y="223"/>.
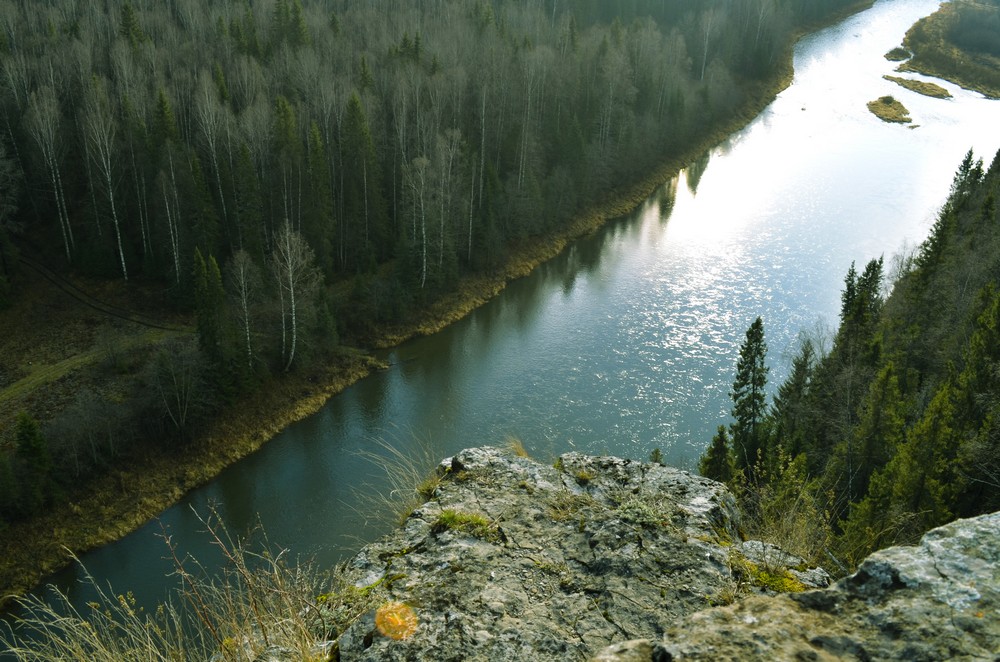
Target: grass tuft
<point x="409" y="475"/>
<point x="516" y="446"/>
<point x="473" y="524"/>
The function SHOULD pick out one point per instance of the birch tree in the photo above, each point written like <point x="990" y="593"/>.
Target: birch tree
<point x="211" y="117"/>
<point x="243" y="279"/>
<point x="43" y="125"/>
<point x="415" y="175"/>
<point x="100" y="130"/>
<point x="298" y="280"/>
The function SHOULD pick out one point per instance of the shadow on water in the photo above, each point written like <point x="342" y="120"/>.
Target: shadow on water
<point x="666" y="198"/>
<point x="696" y="169"/>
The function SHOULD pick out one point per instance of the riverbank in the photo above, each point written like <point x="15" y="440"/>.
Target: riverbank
<point x="289" y="399"/>
<point x="936" y="54"/>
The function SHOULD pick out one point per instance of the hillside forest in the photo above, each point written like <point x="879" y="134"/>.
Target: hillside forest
<point x="298" y="173"/>
<point x="895" y="428"/>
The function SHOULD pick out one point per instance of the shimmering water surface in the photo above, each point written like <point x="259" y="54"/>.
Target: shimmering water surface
<point x="626" y="342"/>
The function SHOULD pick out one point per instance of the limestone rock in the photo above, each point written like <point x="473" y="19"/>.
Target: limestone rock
<point x="516" y="560"/>
<point x="938" y="600"/>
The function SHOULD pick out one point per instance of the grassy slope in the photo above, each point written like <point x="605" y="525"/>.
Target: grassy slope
<point x="118" y="503"/>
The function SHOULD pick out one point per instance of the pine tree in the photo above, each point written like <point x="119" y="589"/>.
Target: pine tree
<point x="748" y="399"/>
<point x="717" y="462"/>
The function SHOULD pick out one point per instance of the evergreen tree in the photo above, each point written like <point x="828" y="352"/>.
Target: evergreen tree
<point x="790" y="411"/>
<point x="880" y="430"/>
<point x="749" y="399"/>
<point x="9" y="489"/>
<point x="871" y="523"/>
<point x="717" y="461"/>
<point x="871" y="443"/>
<point x="36" y="465"/>
<point x="129" y="27"/>
<point x="209" y="299"/>
<point x="977" y="402"/>
<point x="318" y="222"/>
<point x="367" y="232"/>
<point x="850" y="294"/>
<point x="925" y="475"/>
<point x="201" y="212"/>
<point x="216" y="336"/>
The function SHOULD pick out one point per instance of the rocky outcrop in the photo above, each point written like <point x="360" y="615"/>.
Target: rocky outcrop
<point x="515" y="560"/>
<point x="612" y="560"/>
<point x="939" y="600"/>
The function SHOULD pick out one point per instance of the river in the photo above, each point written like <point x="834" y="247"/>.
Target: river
<point x="628" y="340"/>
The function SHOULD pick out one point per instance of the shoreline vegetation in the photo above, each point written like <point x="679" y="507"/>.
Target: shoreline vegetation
<point x="126" y="498"/>
<point x="939" y="50"/>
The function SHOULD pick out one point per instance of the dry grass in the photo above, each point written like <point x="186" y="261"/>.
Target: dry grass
<point x="407" y="468"/>
<point x="260" y="603"/>
<point x="516" y="446"/>
<point x="920" y="87"/>
<point x="888" y="109"/>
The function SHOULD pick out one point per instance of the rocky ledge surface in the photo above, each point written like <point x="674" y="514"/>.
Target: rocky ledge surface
<point x="939" y="600"/>
<point x="512" y="559"/>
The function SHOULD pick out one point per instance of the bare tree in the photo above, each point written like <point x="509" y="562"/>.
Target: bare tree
<point x="244" y="284"/>
<point x="211" y="117"/>
<point x="100" y="128"/>
<point x="177" y="377"/>
<point x="710" y="20"/>
<point x="298" y="279"/>
<point x="43" y="125"/>
<point x="416" y="177"/>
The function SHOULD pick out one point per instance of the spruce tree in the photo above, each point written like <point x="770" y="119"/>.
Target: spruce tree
<point x="924" y="473"/>
<point x="749" y="398"/>
<point x="790" y="411"/>
<point x="717" y="462"/>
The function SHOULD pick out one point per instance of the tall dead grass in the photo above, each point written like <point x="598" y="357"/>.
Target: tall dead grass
<point x="261" y="604"/>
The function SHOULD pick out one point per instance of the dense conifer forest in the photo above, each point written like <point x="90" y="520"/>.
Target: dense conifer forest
<point x="893" y="429"/>
<point x="297" y="173"/>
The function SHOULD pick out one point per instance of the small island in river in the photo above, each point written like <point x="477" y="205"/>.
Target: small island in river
<point x="920" y="87"/>
<point x="888" y="109"/>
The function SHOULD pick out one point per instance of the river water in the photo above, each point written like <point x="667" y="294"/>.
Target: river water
<point x="628" y="340"/>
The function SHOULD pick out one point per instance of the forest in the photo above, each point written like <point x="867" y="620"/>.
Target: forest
<point x="893" y="429"/>
<point x="296" y="173"/>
